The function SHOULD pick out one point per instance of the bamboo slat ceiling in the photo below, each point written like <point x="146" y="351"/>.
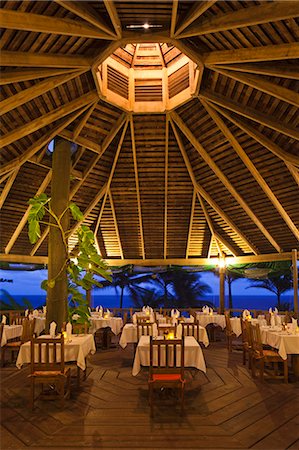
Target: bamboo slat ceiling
<point x="218" y="172"/>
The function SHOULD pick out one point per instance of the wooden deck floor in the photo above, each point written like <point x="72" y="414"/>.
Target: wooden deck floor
<point x="225" y="409"/>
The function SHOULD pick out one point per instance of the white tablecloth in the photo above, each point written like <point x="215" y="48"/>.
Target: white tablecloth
<point x="203" y="335"/>
<point x="115" y="323"/>
<point x="10" y="332"/>
<point x="284" y="341"/>
<point x="193" y="354"/>
<point x="236" y="325"/>
<point x="40" y="324"/>
<point x="205" y="319"/>
<point x="76" y="348"/>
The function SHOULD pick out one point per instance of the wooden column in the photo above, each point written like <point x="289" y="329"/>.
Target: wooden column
<point x="57" y="253"/>
<point x="295" y="280"/>
<point x="221" y="288"/>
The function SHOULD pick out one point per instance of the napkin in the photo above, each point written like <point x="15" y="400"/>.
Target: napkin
<point x="245" y="313"/>
<point x="35" y="313"/>
<point x="175" y="313"/>
<point x="270" y="310"/>
<point x="144" y="308"/>
<point x="69" y="329"/>
<point x="89" y="310"/>
<point x="108" y="313"/>
<point x="4" y="319"/>
<point x="294" y="325"/>
<point x="26" y="312"/>
<point x="101" y="311"/>
<point x="44" y="309"/>
<point x="275" y="311"/>
<point x="211" y="311"/>
<point x="97" y="309"/>
<point x="134" y="319"/>
<point x="277" y="320"/>
<point x="53" y="329"/>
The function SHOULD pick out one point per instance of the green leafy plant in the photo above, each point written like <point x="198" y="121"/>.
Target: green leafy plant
<point x="81" y="269"/>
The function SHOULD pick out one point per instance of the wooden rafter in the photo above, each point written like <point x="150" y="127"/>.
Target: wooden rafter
<point x="263" y="85"/>
<point x="135" y="54"/>
<point x="259" y="137"/>
<point x="251" y="167"/>
<point x="198" y="9"/>
<point x="250" y="113"/>
<point x="26" y="59"/>
<point x="294" y="172"/>
<point x="80" y="140"/>
<point x="111" y="9"/>
<point x="251" y="54"/>
<point x="111" y="176"/>
<point x="87" y="13"/>
<point x="174" y="14"/>
<point x="189" y="50"/>
<point x="277" y="70"/>
<point x="77" y="130"/>
<point x="115" y="224"/>
<point x="44" y="140"/>
<point x="190" y="223"/>
<point x="38" y="89"/>
<point x="205" y="195"/>
<point x="137" y="185"/>
<point x="158" y="46"/>
<point x="166" y="186"/>
<point x="244" y="17"/>
<point x="48" y="118"/>
<point x="16" y="20"/>
<point x="23" y="221"/>
<point x="5" y="176"/>
<point x="16" y="75"/>
<point x="207" y="158"/>
<point x="8" y="186"/>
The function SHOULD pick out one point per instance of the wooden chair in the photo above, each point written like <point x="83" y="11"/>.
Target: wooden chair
<point x="163" y="330"/>
<point x="166" y="367"/>
<point x="144" y="329"/>
<point x="246" y="342"/>
<point x="16" y="317"/>
<point x="190" y="329"/>
<point x="264" y="357"/>
<point x="1" y="335"/>
<point x="232" y="342"/>
<point x="27" y="335"/>
<point x="48" y="369"/>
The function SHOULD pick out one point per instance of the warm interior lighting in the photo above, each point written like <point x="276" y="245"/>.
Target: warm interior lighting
<point x="146" y="26"/>
<point x="221" y="263"/>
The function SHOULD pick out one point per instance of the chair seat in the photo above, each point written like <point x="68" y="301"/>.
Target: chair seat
<point x="167" y="377"/>
<point x="271" y="354"/>
<point x="13" y="344"/>
<point x="49" y="373"/>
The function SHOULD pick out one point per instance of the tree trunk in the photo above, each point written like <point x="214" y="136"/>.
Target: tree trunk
<point x="57" y="253"/>
<point x="121" y="297"/>
<point x="230" y="295"/>
<point x="278" y="300"/>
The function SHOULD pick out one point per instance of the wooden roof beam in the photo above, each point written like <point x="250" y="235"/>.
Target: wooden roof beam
<point x="44" y="140"/>
<point x="38" y="89"/>
<point x="56" y="60"/>
<point x="46" y="119"/>
<point x="86" y="12"/>
<point x="252" y="54"/>
<point x="17" y="75"/>
<point x="24" y="219"/>
<point x="244" y="17"/>
<point x="263" y="85"/>
<point x="116" y="225"/>
<point x="77" y="130"/>
<point x="190" y="223"/>
<point x="206" y="196"/>
<point x="166" y="186"/>
<point x="174" y="14"/>
<point x="294" y="172"/>
<point x="277" y="70"/>
<point x="111" y="176"/>
<point x="8" y="186"/>
<point x="111" y="9"/>
<point x="137" y="185"/>
<point x="198" y="9"/>
<point x="250" y="113"/>
<point x="259" y="137"/>
<point x="252" y="169"/>
<point x="16" y="20"/>
<point x="206" y="157"/>
<point x="189" y="50"/>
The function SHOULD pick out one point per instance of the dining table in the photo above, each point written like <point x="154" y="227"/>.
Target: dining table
<point x="97" y="322"/>
<point x="10" y="332"/>
<point x="193" y="354"/>
<point x="76" y="348"/>
<point x="205" y="319"/>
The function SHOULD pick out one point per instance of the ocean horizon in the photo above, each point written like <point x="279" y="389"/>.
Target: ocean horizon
<point x="112" y="301"/>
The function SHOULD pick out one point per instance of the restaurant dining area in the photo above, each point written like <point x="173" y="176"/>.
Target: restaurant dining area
<point x="147" y="147"/>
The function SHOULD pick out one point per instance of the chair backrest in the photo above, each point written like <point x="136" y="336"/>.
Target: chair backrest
<point x="190" y="329"/>
<point x="144" y="329"/>
<point x="167" y="356"/>
<point x="257" y="345"/>
<point x="244" y="331"/>
<point x="1" y="332"/>
<point x="80" y="328"/>
<point x="16" y="317"/>
<point x="28" y="329"/>
<point x="228" y="325"/>
<point x="47" y="354"/>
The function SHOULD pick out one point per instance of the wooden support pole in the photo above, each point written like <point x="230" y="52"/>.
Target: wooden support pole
<point x="295" y="279"/>
<point x="57" y="253"/>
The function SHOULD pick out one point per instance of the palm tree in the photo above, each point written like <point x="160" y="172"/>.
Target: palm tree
<point x="278" y="283"/>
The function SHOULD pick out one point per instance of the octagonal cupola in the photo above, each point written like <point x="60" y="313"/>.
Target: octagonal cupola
<point x="147" y="78"/>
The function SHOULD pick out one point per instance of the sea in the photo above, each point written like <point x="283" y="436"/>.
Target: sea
<point x="112" y="301"/>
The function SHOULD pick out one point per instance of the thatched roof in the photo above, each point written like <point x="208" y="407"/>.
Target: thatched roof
<point x="187" y="135"/>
